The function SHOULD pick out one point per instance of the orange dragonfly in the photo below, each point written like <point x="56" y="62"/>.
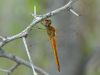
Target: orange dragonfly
<point x="51" y="31"/>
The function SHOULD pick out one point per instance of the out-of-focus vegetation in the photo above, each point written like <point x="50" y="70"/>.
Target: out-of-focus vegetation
<point x="15" y="15"/>
<point x="78" y="38"/>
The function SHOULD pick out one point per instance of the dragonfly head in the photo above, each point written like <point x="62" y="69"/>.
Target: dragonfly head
<point x="46" y="22"/>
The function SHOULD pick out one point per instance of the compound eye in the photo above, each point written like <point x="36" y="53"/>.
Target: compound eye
<point x="46" y="20"/>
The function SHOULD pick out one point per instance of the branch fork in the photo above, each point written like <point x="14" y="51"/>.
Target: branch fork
<point x="23" y="34"/>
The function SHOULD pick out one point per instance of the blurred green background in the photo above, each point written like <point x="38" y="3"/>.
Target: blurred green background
<point x="78" y="38"/>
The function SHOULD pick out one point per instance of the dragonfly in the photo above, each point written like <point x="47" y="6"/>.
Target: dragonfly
<point x="51" y="31"/>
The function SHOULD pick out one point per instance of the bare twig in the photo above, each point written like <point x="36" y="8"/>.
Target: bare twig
<point x="4" y="70"/>
<point x="13" y="68"/>
<point x="28" y="54"/>
<point x="21" y="61"/>
<point x="9" y="71"/>
<point x="34" y="22"/>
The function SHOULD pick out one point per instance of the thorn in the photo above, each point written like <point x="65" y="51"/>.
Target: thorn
<point x="35" y="11"/>
<point x="74" y="12"/>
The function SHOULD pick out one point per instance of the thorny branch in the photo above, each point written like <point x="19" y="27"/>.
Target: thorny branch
<point x="21" y="61"/>
<point x="24" y="33"/>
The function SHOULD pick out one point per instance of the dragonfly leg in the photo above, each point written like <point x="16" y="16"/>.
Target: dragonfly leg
<point x="39" y="28"/>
